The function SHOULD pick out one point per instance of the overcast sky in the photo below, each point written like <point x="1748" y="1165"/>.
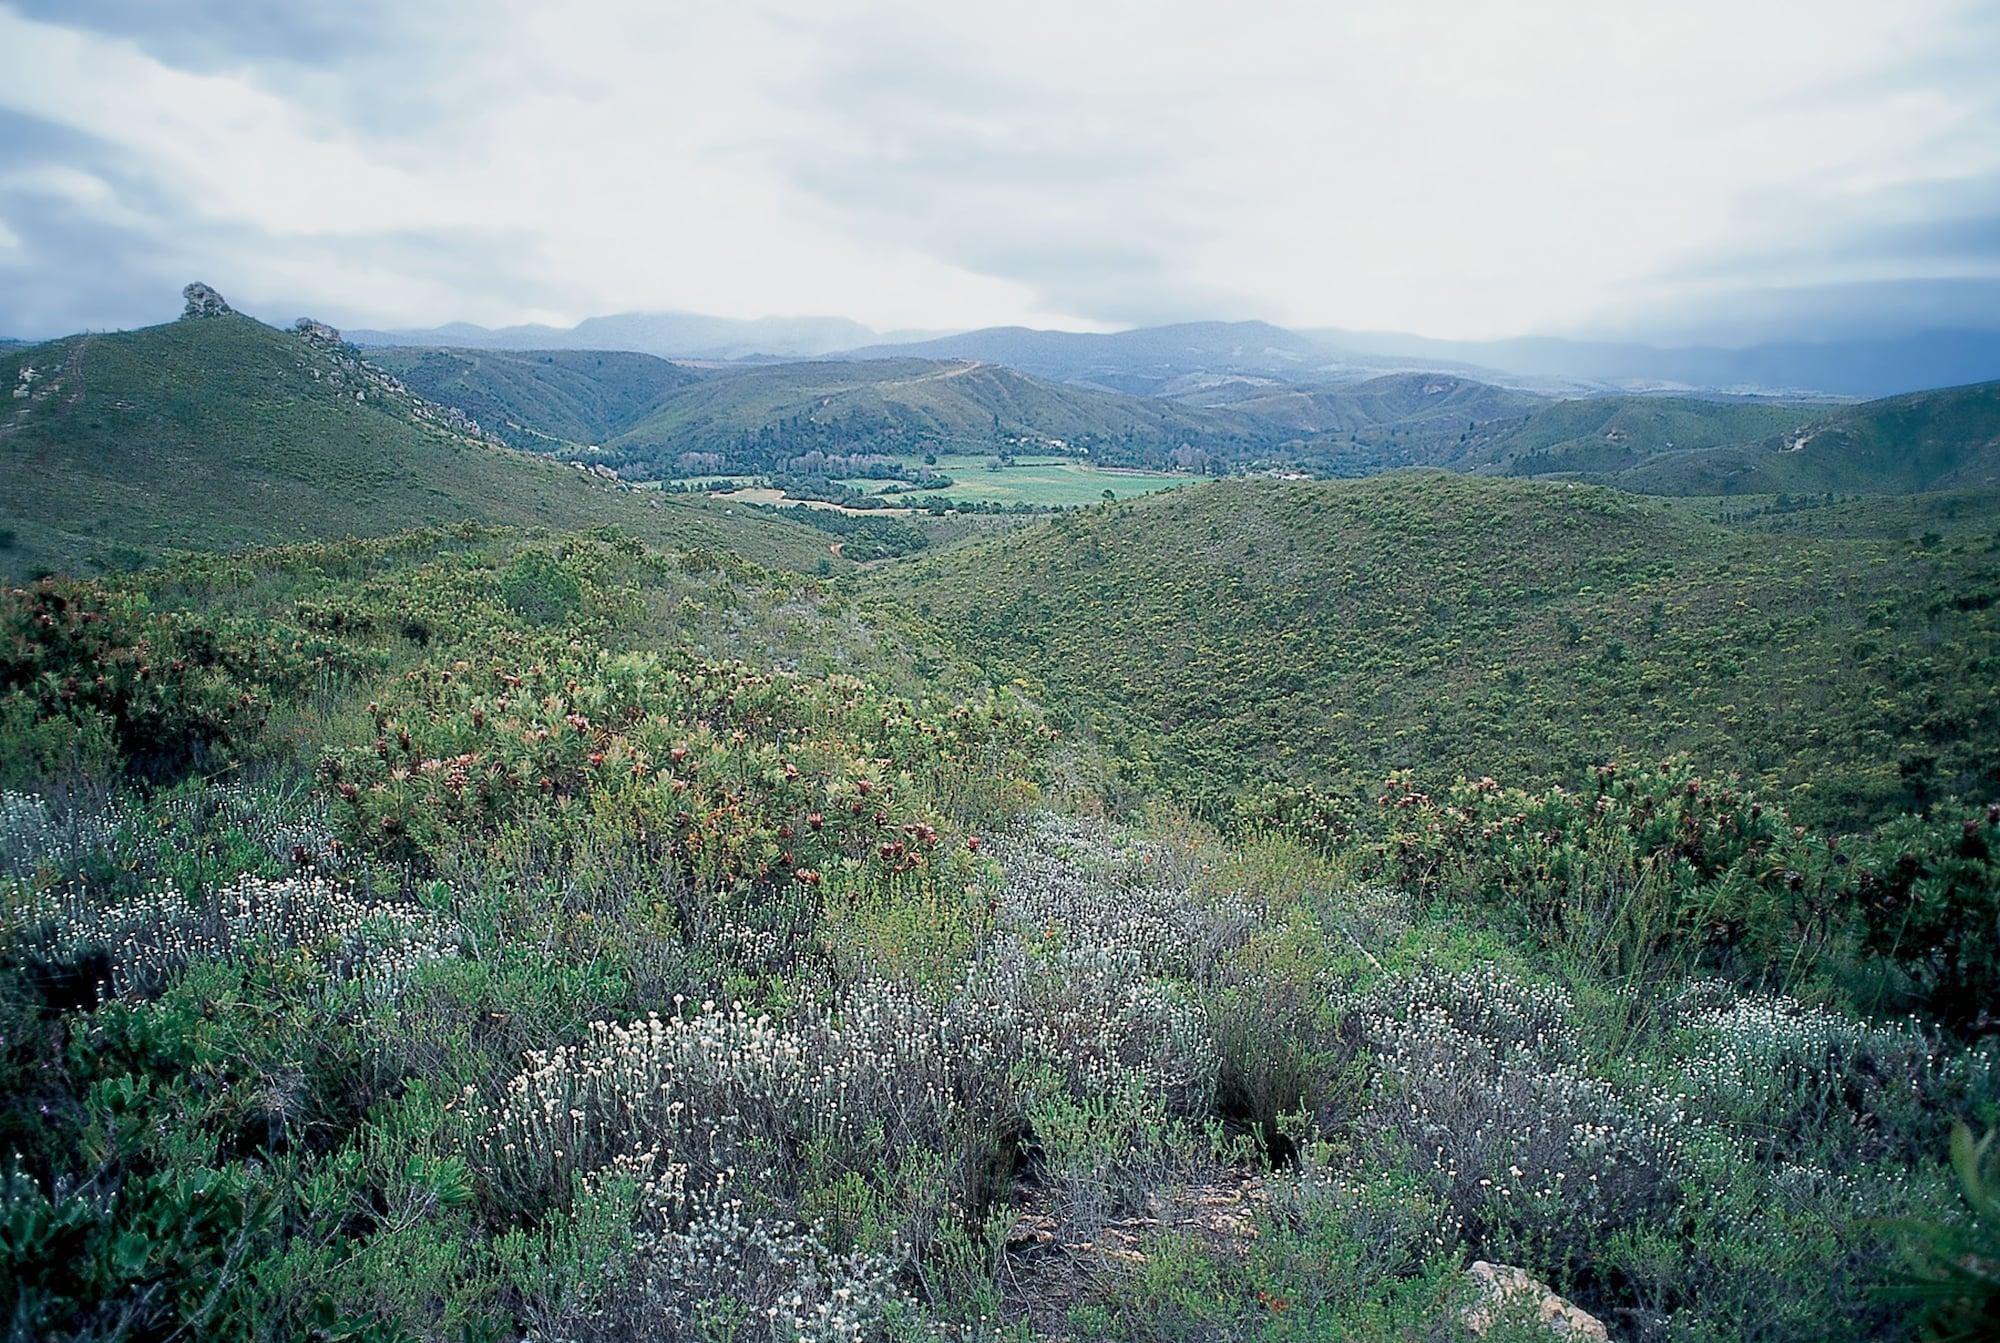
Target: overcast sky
<point x="1686" y="170"/>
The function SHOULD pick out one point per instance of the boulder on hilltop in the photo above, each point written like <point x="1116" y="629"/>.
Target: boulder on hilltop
<point x="204" y="301"/>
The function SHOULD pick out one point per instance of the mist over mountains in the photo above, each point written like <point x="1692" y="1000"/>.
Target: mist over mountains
<point x="1148" y="360"/>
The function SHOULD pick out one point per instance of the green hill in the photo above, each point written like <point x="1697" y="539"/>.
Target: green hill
<point x="754" y="417"/>
<point x="1251" y="631"/>
<point x="221" y="433"/>
<point x="1947" y="439"/>
<point x="1600" y="437"/>
<point x="1405" y="400"/>
<point x="540" y="399"/>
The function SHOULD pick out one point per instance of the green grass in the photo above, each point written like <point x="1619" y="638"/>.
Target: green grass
<point x="1249" y="631"/>
<point x="1046" y="483"/>
<point x="216" y="435"/>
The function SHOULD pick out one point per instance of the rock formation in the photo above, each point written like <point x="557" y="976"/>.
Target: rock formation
<point x="318" y="333"/>
<point x="203" y="301"/>
<point x="1504" y="1289"/>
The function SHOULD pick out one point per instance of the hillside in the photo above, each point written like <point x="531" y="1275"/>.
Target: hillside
<point x="1247" y="632"/>
<point x="1947" y="439"/>
<point x="548" y="400"/>
<point x="221" y="432"/>
<point x="1416" y="401"/>
<point x="1599" y="437"/>
<point x="753" y="417"/>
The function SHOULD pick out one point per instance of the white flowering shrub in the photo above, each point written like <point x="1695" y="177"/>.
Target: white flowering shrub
<point x="44" y="838"/>
<point x="1080" y="884"/>
<point x="1794" y="1077"/>
<point x="862" y="1078"/>
<point x="149" y="937"/>
<point x="34" y="833"/>
<point x="1477" y="1079"/>
<point x="638" y="1254"/>
<point x="1093" y="1016"/>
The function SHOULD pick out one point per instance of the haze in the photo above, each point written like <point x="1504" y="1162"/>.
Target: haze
<point x="1705" y="171"/>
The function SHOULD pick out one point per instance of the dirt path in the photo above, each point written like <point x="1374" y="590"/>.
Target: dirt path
<point x="939" y="376"/>
<point x="48" y="386"/>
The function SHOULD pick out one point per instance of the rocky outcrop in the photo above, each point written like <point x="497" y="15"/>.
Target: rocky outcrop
<point x="202" y="301"/>
<point x="1505" y="1292"/>
<point x="340" y="365"/>
<point x="316" y="333"/>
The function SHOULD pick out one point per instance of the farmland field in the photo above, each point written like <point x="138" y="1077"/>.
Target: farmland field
<point x="1057" y="481"/>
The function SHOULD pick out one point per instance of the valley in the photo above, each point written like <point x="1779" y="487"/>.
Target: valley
<point x="486" y="835"/>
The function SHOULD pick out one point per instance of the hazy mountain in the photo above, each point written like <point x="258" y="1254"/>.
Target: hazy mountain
<point x="1852" y="367"/>
<point x="668" y="335"/>
<point x="1139" y="361"/>
<point x="1150" y="360"/>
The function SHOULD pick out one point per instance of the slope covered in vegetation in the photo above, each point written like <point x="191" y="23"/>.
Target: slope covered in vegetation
<point x="547" y="400"/>
<point x="1948" y="439"/>
<point x="1256" y="632"/>
<point x="222" y="432"/>
<point x="753" y="418"/>
<point x="477" y="934"/>
<point x="1601" y="437"/>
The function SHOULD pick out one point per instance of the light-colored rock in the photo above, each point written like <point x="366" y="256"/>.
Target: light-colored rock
<point x="1502" y="1284"/>
<point x="318" y="333"/>
<point x="203" y="301"/>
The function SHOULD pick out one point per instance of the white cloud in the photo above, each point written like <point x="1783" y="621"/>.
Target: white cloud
<point x="1460" y="169"/>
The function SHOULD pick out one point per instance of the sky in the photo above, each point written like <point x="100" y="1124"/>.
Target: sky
<point x="1695" y="171"/>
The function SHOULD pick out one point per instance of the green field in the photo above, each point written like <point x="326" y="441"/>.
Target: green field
<point x="1056" y="481"/>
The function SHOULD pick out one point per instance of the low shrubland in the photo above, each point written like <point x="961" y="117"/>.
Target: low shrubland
<point x="497" y="936"/>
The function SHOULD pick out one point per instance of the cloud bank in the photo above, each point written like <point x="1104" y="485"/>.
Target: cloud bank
<point x="1700" y="171"/>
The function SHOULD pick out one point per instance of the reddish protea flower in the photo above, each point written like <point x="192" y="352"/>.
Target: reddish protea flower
<point x="815" y="820"/>
<point x="972" y="842"/>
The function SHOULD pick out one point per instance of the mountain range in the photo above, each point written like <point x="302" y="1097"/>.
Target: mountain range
<point x="670" y="335"/>
<point x="221" y="432"/>
<point x="1146" y="360"/>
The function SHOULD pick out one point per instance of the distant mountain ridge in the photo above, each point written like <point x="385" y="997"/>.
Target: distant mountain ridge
<point x="1853" y="367"/>
<point x="1147" y="360"/>
<point x="907" y="406"/>
<point x="665" y="335"/>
